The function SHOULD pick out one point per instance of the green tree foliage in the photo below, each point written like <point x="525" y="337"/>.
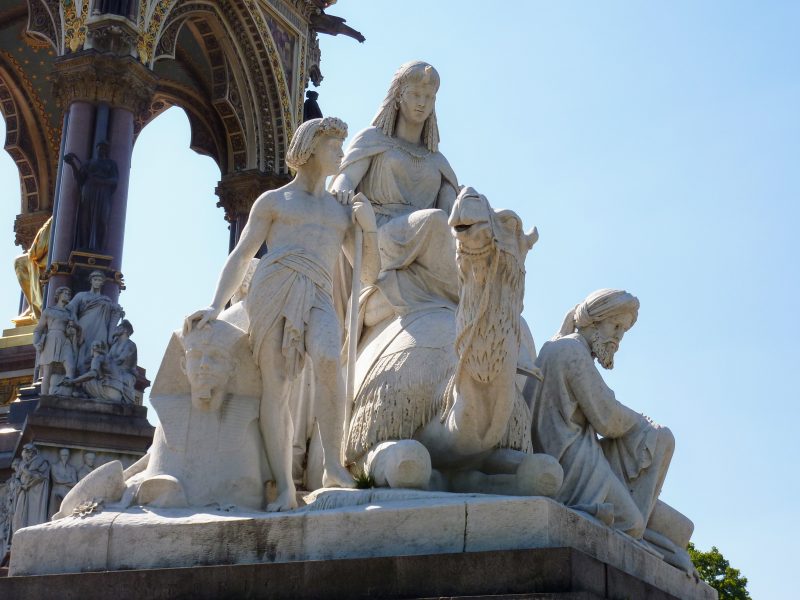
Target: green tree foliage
<point x="718" y="573"/>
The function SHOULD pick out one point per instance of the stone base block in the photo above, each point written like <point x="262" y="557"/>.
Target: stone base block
<point x="461" y="541"/>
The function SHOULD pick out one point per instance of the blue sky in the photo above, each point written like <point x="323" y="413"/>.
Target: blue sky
<point x="657" y="148"/>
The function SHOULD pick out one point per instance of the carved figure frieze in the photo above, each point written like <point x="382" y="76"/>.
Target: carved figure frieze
<point x="33" y="493"/>
<point x="63" y="477"/>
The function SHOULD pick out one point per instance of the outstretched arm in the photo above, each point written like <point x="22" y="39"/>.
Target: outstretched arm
<point x="254" y="234"/>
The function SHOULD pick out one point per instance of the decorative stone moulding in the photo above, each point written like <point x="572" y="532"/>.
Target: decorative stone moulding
<point x="84" y="262"/>
<point x="91" y="76"/>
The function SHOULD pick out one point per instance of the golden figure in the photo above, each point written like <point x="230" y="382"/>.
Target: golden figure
<point x="28" y="267"/>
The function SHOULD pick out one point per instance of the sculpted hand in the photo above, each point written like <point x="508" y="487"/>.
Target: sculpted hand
<point x="363" y="213"/>
<point x="203" y="317"/>
<point x="344" y="197"/>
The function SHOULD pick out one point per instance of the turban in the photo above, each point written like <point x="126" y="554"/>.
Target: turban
<point x="597" y="307"/>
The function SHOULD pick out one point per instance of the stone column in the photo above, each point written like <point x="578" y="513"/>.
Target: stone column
<point x="238" y="191"/>
<point x="123" y="87"/>
<point x="78" y="140"/>
<point x="120" y="135"/>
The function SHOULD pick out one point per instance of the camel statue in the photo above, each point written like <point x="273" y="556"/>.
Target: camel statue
<point x="439" y="400"/>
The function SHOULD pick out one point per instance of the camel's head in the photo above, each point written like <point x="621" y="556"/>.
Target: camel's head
<point x="479" y="228"/>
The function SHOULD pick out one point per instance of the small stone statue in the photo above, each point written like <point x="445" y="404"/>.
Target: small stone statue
<point x="122" y="357"/>
<point x="97" y="181"/>
<point x="34" y="486"/>
<point x="12" y="491"/>
<point x="87" y="466"/>
<point x="28" y="267"/>
<point x="311" y="109"/>
<point x="101" y="381"/>
<point x="55" y="339"/>
<point x="63" y="476"/>
<point x="96" y="315"/>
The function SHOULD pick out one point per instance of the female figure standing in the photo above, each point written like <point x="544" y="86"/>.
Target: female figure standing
<point x="97" y="316"/>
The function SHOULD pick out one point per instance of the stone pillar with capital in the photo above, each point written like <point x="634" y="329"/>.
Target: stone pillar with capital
<point x="238" y="191"/>
<point x="101" y="91"/>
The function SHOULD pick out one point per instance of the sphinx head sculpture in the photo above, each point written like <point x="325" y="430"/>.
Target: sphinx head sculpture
<point x="208" y="362"/>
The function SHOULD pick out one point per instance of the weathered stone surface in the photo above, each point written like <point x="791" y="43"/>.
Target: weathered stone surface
<point x="541" y="574"/>
<point x="168" y="538"/>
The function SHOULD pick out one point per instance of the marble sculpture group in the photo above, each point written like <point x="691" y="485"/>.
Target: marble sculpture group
<point x="380" y="336"/>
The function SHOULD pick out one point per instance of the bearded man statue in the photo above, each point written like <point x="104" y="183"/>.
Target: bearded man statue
<point x="614" y="459"/>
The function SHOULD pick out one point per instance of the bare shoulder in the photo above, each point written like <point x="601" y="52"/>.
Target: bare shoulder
<point x="266" y="203"/>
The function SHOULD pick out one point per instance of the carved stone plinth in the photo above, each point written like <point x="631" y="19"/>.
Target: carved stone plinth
<point x="84" y="423"/>
<point x="440" y="545"/>
<point x="81" y="264"/>
<point x="544" y="574"/>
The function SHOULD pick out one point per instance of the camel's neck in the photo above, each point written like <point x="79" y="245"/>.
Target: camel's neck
<point x="487" y="342"/>
<point x="488" y="317"/>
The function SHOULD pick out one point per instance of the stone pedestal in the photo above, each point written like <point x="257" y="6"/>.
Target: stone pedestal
<point x="429" y="545"/>
<point x="82" y="423"/>
<point x="543" y="574"/>
<point x="82" y="426"/>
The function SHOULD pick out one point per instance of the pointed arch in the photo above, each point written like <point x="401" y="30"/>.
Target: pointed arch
<point x="26" y="142"/>
<point x="213" y="48"/>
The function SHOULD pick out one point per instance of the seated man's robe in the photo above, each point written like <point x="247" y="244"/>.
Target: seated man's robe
<point x="571" y="406"/>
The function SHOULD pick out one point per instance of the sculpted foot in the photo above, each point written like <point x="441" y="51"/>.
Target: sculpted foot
<point x="287" y="500"/>
<point x="337" y="476"/>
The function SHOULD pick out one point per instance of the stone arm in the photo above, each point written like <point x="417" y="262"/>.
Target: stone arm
<point x="74" y="306"/>
<point x="350" y="177"/>
<point x="89" y="375"/>
<point x="40" y="333"/>
<point x="446" y="197"/>
<point x="364" y="217"/>
<point x="128" y="355"/>
<point x="254" y="234"/>
<point x="35" y="475"/>
<point x="609" y="417"/>
<point x="117" y="314"/>
<point x="94" y="372"/>
<point x="77" y="169"/>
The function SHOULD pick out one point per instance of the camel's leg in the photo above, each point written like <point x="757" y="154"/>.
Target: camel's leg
<point x="513" y="473"/>
<point x="399" y="464"/>
<point x="502" y="461"/>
